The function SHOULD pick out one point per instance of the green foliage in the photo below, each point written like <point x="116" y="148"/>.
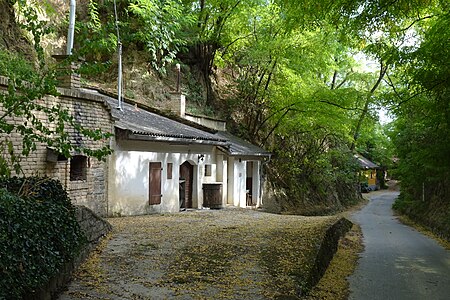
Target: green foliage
<point x="158" y="25"/>
<point x="295" y="85"/>
<point x="36" y="27"/>
<point x="154" y="25"/>
<point x="421" y="132"/>
<point x="402" y="205"/>
<point x="24" y="114"/>
<point x="38" y="233"/>
<point x="433" y="213"/>
<point x="41" y="123"/>
<point x="195" y="91"/>
<point x="97" y="40"/>
<point x="301" y="94"/>
<point x="315" y="179"/>
<point x="375" y="144"/>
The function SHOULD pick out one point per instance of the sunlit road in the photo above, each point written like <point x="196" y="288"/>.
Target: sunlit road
<point x="398" y="262"/>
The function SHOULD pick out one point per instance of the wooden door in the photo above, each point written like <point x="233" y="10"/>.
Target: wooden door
<point x="187" y="173"/>
<point x="154" y="183"/>
<point x="249" y="184"/>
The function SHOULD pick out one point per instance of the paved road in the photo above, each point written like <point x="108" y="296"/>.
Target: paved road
<point x="398" y="262"/>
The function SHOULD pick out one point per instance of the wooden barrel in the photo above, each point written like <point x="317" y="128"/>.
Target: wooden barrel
<point x="212" y="195"/>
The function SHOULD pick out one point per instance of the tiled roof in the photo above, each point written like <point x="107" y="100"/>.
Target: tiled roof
<point x="365" y="163"/>
<point x="149" y="125"/>
<point x="240" y="147"/>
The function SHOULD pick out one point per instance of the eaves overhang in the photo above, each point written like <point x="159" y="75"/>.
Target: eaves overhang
<point x="246" y="155"/>
<point x="185" y="140"/>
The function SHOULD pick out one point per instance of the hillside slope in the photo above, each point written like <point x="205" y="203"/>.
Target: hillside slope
<point x="312" y="169"/>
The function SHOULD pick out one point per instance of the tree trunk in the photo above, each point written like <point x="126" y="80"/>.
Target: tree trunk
<point x="383" y="69"/>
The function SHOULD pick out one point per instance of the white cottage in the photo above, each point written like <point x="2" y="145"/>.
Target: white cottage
<point x="164" y="164"/>
<point x="160" y="163"/>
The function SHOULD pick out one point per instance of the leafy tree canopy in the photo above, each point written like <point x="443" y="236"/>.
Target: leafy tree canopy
<point x="297" y="82"/>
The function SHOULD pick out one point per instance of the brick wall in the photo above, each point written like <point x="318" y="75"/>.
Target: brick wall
<point x="92" y="112"/>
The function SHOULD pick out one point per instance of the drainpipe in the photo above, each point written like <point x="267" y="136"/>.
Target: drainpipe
<point x="71" y="30"/>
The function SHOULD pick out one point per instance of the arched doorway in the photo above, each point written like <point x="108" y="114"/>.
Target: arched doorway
<point x="187" y="174"/>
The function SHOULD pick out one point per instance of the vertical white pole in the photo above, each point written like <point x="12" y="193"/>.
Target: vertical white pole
<point x="119" y="49"/>
<point x="71" y="30"/>
<point x="423" y="191"/>
<point x="119" y="79"/>
<point x="178" y="77"/>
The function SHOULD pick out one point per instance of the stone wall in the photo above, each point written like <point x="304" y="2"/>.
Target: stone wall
<point x="92" y="112"/>
<point x="94" y="228"/>
<point x="327" y="249"/>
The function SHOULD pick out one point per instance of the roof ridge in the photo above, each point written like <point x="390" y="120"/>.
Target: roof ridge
<point x="167" y="114"/>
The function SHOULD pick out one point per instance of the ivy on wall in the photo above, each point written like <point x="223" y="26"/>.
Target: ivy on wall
<point x="38" y="234"/>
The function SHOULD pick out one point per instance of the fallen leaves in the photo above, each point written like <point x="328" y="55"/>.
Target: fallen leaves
<point x="333" y="285"/>
<point x="223" y="254"/>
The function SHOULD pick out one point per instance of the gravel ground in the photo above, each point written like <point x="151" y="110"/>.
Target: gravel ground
<point x="202" y="254"/>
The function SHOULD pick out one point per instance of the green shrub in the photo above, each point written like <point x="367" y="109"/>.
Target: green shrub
<point x="402" y="204"/>
<point x="433" y="213"/>
<point x="38" y="233"/>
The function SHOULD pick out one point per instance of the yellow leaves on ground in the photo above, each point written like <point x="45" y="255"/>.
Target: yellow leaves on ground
<point x="333" y="285"/>
<point x="207" y="254"/>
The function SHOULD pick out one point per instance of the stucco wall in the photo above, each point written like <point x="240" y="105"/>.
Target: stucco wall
<point x="92" y="112"/>
<point x="237" y="175"/>
<point x="256" y="184"/>
<point x="222" y="176"/>
<point x="129" y="175"/>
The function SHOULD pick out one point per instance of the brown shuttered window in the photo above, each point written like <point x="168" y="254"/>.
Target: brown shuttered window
<point x="155" y="183"/>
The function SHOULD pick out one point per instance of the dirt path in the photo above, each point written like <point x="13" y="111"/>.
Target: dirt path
<point x="223" y="254"/>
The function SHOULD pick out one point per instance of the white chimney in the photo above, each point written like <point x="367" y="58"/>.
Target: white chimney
<point x="178" y="105"/>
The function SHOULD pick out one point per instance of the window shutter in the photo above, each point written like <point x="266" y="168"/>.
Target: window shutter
<point x="155" y="183"/>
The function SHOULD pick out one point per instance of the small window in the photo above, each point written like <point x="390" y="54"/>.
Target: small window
<point x="169" y="170"/>
<point x="78" y="168"/>
<point x="207" y="170"/>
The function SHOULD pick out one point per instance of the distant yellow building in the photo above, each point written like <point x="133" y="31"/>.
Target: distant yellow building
<point x="368" y="172"/>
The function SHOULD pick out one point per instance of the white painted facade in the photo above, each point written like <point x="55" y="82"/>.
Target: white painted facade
<point x="129" y="175"/>
<point x="238" y="191"/>
<point x="128" y="186"/>
<point x="144" y="137"/>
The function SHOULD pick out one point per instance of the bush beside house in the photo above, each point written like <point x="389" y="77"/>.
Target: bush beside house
<point x="39" y="233"/>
